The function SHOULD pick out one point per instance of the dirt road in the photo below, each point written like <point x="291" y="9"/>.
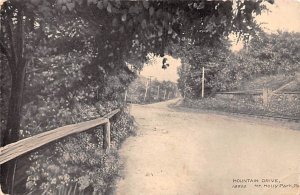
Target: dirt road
<point x="187" y="153"/>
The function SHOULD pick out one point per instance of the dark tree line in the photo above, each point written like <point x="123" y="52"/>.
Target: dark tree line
<point x="264" y="55"/>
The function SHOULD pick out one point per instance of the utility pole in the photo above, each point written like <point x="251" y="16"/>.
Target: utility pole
<point x="158" y="92"/>
<point x="150" y="88"/>
<point x="165" y="94"/>
<point x="184" y="90"/>
<point x="185" y="79"/>
<point x="146" y="91"/>
<point x="202" y="91"/>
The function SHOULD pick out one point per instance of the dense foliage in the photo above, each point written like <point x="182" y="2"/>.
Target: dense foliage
<point x="271" y="54"/>
<point x="58" y="93"/>
<point x="213" y="58"/>
<point x="264" y="55"/>
<point x="283" y="105"/>
<point x="68" y="62"/>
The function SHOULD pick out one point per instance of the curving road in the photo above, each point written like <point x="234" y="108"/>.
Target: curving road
<point x="188" y="153"/>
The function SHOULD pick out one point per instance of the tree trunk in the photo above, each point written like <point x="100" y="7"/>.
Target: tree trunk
<point x="17" y="68"/>
<point x="11" y="133"/>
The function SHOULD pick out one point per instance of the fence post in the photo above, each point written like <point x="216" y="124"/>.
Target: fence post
<point x="267" y="94"/>
<point x="202" y="86"/>
<point x="125" y="96"/>
<point x="106" y="136"/>
<point x="146" y="91"/>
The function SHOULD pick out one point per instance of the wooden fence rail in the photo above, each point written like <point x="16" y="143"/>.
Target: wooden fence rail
<point x="23" y="146"/>
<point x="255" y="92"/>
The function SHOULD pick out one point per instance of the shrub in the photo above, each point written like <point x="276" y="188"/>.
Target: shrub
<point x="77" y="163"/>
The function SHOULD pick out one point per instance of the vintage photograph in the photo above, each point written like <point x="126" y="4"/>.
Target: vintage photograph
<point x="150" y="97"/>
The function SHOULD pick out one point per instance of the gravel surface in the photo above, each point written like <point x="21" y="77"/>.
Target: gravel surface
<point x="188" y="153"/>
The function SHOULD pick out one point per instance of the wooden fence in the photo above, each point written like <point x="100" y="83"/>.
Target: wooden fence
<point x="265" y="96"/>
<point x="23" y="146"/>
<point x="256" y="92"/>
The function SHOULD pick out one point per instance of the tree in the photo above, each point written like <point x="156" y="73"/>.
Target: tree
<point x="275" y="53"/>
<point x="264" y="55"/>
<point x="23" y="35"/>
<point x="213" y="58"/>
<point x="12" y="46"/>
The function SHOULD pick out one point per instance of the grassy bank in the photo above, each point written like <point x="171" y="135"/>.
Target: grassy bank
<point x="279" y="107"/>
<point x="77" y="164"/>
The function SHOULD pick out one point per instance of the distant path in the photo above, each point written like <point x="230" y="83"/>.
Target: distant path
<point x="185" y="153"/>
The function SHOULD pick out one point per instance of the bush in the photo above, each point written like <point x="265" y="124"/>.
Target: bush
<point x="77" y="163"/>
<point x="61" y="96"/>
<point x="280" y="106"/>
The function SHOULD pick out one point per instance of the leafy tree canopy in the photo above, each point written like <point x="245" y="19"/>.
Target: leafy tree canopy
<point x="265" y="55"/>
<point x="131" y="29"/>
<point x="276" y="53"/>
